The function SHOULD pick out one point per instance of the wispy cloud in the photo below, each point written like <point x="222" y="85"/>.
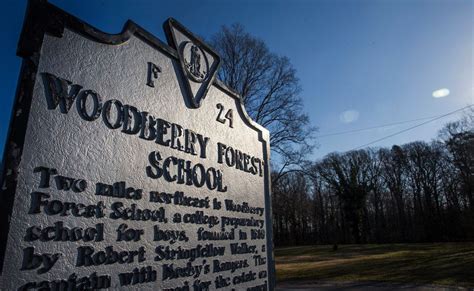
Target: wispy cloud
<point x="440" y="93"/>
<point x="349" y="116"/>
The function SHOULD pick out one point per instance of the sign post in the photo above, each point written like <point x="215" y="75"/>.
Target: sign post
<point x="129" y="166"/>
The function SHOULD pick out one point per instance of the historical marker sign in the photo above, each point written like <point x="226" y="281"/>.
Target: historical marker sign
<point x="129" y="166"/>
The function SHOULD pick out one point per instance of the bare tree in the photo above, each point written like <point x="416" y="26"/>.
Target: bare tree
<point x="349" y="176"/>
<point x="459" y="139"/>
<point x="270" y="91"/>
<point x="394" y="163"/>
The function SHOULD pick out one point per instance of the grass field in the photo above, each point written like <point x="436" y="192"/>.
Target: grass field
<point x="441" y="263"/>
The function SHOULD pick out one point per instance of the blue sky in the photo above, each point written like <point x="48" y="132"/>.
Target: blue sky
<point x="360" y="63"/>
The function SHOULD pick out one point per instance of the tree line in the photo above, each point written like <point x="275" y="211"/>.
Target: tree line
<point x="416" y="192"/>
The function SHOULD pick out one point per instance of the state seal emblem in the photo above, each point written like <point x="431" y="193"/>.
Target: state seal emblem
<point x="195" y="62"/>
<point x="199" y="62"/>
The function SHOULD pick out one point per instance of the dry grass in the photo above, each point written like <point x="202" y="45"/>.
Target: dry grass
<point x="440" y="263"/>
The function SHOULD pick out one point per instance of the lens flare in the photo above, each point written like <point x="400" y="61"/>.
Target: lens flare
<point x="349" y="116"/>
<point x="440" y="93"/>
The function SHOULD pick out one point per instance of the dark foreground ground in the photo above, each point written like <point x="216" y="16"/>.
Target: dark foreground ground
<point x="363" y="286"/>
<point x="440" y="266"/>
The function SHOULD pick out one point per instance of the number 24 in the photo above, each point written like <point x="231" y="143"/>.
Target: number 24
<point x="227" y="116"/>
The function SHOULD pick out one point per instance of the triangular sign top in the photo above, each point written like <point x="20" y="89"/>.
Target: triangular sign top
<point x="199" y="62"/>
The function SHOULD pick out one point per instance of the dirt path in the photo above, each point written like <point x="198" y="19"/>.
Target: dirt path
<point x="360" y="286"/>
